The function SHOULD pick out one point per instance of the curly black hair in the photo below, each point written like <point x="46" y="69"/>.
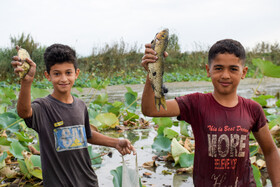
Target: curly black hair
<point x="58" y="54"/>
<point x="227" y="46"/>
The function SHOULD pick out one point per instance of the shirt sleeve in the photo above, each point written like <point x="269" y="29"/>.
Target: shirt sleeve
<point x="87" y="124"/>
<point x="187" y="107"/>
<point x="259" y="117"/>
<point x="34" y="120"/>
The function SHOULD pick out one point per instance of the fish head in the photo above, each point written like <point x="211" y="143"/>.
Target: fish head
<point x="162" y="35"/>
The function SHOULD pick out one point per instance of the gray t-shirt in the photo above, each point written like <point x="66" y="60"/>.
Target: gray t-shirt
<point x="63" y="131"/>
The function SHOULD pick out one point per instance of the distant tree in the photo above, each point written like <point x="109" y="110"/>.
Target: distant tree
<point x="25" y="41"/>
<point x="173" y="44"/>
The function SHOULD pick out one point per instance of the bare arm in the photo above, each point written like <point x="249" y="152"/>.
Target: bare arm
<point x="24" y="99"/>
<point x="122" y="145"/>
<point x="148" y="97"/>
<point x="271" y="154"/>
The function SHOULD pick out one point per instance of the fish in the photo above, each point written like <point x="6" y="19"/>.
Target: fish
<point x="156" y="70"/>
<point x="23" y="55"/>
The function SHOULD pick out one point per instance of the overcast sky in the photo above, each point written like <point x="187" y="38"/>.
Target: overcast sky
<point x="85" y="24"/>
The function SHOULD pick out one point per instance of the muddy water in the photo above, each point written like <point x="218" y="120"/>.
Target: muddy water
<point x="143" y="139"/>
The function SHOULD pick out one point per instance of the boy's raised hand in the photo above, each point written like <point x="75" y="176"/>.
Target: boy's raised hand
<point x="150" y="56"/>
<point x="125" y="147"/>
<point x="17" y="62"/>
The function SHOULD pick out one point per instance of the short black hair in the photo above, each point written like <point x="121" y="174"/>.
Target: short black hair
<point x="227" y="46"/>
<point x="59" y="53"/>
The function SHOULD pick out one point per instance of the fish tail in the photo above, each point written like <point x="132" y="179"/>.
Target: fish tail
<point x="160" y="101"/>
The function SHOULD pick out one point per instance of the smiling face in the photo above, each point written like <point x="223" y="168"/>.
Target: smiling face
<point x="226" y="71"/>
<point x="62" y="76"/>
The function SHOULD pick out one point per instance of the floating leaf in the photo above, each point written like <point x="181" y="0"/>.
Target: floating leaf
<point x="108" y="119"/>
<point x="23" y="169"/>
<point x="16" y="149"/>
<point x="117" y="174"/>
<point x="130" y="99"/>
<point x="184" y="128"/>
<point x="3" y="156"/>
<point x="161" y="144"/>
<point x="4" y="141"/>
<point x="253" y="150"/>
<point x="267" y="68"/>
<point x="101" y="99"/>
<point x="130" y="116"/>
<point x="176" y="150"/>
<point x="38" y="93"/>
<point x="163" y="123"/>
<point x="94" y="157"/>
<point x="33" y="164"/>
<point x="186" y="160"/>
<point x="10" y="120"/>
<point x="170" y="134"/>
<point x="274" y="122"/>
<point x="257" y="176"/>
<point x="262" y="99"/>
<point x="22" y="137"/>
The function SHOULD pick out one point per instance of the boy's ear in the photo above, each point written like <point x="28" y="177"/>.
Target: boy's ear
<point x="77" y="72"/>
<point x="244" y="72"/>
<point x="47" y="75"/>
<point x="208" y="70"/>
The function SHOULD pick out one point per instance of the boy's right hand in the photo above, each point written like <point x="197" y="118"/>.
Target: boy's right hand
<point x="150" y="56"/>
<point x="16" y="63"/>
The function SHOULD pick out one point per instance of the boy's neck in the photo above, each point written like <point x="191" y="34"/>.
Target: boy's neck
<point x="64" y="98"/>
<point x="230" y="100"/>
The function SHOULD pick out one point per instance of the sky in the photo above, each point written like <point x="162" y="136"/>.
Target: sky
<point x="89" y="24"/>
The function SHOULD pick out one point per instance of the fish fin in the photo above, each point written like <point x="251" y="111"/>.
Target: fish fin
<point x="160" y="101"/>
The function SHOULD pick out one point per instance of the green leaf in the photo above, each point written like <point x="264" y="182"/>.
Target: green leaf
<point x="161" y="144"/>
<point x="130" y="116"/>
<point x="257" y="176"/>
<point x="274" y="122"/>
<point x="22" y="137"/>
<point x="79" y="89"/>
<point x="108" y="119"/>
<point x="16" y="148"/>
<point x="176" y="150"/>
<point x="117" y="174"/>
<point x="10" y="120"/>
<point x="267" y="68"/>
<point x="94" y="157"/>
<point x="3" y="156"/>
<point x="170" y="134"/>
<point x="130" y="97"/>
<point x="262" y="99"/>
<point x="23" y="169"/>
<point x="163" y="123"/>
<point x="101" y="99"/>
<point x="184" y="128"/>
<point x="253" y="150"/>
<point x="38" y="93"/>
<point x="33" y="164"/>
<point x="278" y="103"/>
<point x="4" y="141"/>
<point x="186" y="160"/>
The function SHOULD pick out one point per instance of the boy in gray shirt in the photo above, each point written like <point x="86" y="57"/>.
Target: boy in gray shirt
<point x="62" y="121"/>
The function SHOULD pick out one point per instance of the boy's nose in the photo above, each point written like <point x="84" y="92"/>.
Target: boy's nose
<point x="225" y="74"/>
<point x="63" y="77"/>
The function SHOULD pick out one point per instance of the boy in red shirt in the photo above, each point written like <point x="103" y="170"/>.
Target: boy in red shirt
<point x="221" y="121"/>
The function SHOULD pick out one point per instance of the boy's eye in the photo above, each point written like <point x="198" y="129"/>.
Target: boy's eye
<point x="56" y="74"/>
<point x="69" y="73"/>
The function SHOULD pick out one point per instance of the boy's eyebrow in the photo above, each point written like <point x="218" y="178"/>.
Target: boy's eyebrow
<point x="232" y="66"/>
<point x="60" y="71"/>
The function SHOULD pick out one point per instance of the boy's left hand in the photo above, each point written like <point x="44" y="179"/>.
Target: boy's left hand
<point x="125" y="147"/>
